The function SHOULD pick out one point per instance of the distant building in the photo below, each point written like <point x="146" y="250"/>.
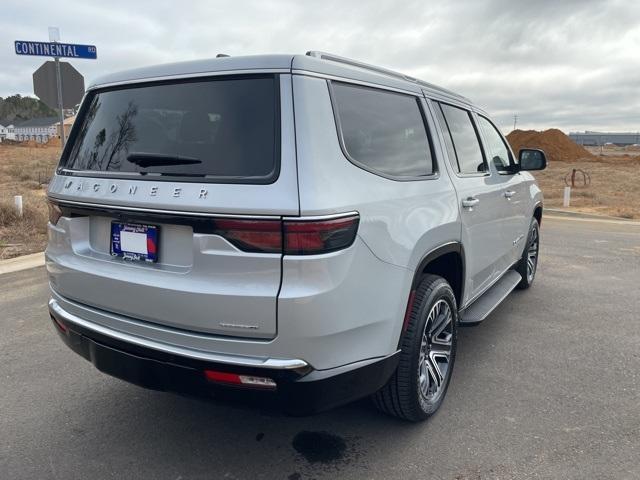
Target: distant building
<point x="7" y="133"/>
<point x="602" y="138"/>
<point x="38" y="129"/>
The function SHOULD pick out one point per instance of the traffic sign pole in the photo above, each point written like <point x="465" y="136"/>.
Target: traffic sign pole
<point x="60" y="104"/>
<point x="54" y="36"/>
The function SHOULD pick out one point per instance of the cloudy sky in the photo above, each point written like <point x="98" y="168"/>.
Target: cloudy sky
<point x="573" y="65"/>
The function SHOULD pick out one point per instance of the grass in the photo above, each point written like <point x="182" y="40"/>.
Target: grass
<point x="613" y="190"/>
<point x="24" y="170"/>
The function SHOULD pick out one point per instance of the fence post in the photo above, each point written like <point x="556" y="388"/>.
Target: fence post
<point x="17" y="200"/>
<point x="567" y="197"/>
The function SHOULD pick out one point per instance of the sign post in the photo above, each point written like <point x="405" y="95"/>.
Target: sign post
<point x="55" y="49"/>
<point x="54" y="36"/>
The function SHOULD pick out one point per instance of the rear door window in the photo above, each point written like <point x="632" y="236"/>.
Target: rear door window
<point x="224" y="129"/>
<point x="382" y="131"/>
<point x="464" y="139"/>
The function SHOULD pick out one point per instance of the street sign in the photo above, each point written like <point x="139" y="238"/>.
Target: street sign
<point x="43" y="78"/>
<point x="54" y="49"/>
<point x="44" y="84"/>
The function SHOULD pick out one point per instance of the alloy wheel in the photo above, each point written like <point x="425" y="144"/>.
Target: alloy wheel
<point x="532" y="255"/>
<point x="435" y="352"/>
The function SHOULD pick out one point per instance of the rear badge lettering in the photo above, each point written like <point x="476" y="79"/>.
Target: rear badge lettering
<point x="236" y="325"/>
<point x="201" y="193"/>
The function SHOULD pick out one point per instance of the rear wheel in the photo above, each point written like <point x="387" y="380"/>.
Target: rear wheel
<point x="418" y="386"/>
<point x="528" y="264"/>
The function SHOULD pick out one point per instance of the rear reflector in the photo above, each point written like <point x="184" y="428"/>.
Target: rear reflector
<point x="241" y="380"/>
<point x="407" y="313"/>
<point x="291" y="237"/>
<point x="311" y="237"/>
<point x="59" y="324"/>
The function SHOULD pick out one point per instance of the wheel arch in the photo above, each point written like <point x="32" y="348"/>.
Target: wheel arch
<point x="447" y="261"/>
<point x="537" y="212"/>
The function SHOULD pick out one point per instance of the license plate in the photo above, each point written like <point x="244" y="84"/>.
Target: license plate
<point x="133" y="241"/>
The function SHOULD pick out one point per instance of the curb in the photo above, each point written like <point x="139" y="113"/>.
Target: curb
<point x="571" y="218"/>
<point x="22" y="263"/>
<point x="591" y="216"/>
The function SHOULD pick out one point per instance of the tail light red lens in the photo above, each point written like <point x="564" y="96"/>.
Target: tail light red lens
<point x="310" y="237"/>
<point x="263" y="236"/>
<point x="291" y="237"/>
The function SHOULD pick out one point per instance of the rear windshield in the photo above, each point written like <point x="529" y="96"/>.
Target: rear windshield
<point x="219" y="129"/>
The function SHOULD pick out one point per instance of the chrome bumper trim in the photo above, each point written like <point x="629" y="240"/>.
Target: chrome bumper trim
<point x="274" y="363"/>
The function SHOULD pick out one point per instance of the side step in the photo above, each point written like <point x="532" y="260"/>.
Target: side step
<point x="483" y="306"/>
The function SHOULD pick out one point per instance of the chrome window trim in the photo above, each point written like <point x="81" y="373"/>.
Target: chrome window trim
<point x="109" y="206"/>
<point x="301" y="218"/>
<point x="329" y="216"/>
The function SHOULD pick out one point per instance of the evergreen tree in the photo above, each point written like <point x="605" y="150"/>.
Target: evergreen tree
<point x="16" y="109"/>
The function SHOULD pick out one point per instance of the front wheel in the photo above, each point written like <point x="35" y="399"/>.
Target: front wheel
<point x="528" y="264"/>
<point x="428" y="350"/>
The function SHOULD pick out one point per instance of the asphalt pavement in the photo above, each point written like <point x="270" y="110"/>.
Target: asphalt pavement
<point x="547" y="387"/>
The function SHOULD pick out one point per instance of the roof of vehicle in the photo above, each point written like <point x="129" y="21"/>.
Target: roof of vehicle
<point x="319" y="63"/>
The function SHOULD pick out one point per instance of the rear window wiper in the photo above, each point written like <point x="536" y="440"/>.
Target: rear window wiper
<point x="144" y="160"/>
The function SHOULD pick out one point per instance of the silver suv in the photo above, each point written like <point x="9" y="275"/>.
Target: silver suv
<point x="307" y="228"/>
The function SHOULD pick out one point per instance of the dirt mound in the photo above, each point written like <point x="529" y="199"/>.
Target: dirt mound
<point x="555" y="144"/>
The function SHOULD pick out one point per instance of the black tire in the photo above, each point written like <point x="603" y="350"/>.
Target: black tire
<point x="523" y="267"/>
<point x="404" y="394"/>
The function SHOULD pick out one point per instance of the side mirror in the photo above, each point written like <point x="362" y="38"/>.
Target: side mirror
<point x="532" y="159"/>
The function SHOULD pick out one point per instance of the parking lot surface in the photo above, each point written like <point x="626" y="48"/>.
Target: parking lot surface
<point x="547" y="387"/>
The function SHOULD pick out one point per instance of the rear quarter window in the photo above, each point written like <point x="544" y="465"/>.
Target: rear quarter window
<point x="223" y="129"/>
<point x="383" y="132"/>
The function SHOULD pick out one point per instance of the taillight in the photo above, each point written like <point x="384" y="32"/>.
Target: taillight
<point x="263" y="236"/>
<point x="310" y="237"/>
<point x="291" y="237"/>
<point x="54" y="212"/>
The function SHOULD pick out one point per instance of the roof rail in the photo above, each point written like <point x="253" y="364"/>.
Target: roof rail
<point x="356" y="63"/>
<point x="383" y="71"/>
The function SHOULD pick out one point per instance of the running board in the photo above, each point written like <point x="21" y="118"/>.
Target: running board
<point x="483" y="306"/>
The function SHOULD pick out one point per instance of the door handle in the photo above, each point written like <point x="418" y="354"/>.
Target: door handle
<point x="470" y="202"/>
<point x="509" y="193"/>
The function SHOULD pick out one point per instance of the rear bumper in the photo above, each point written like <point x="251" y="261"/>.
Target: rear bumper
<point x="300" y="389"/>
